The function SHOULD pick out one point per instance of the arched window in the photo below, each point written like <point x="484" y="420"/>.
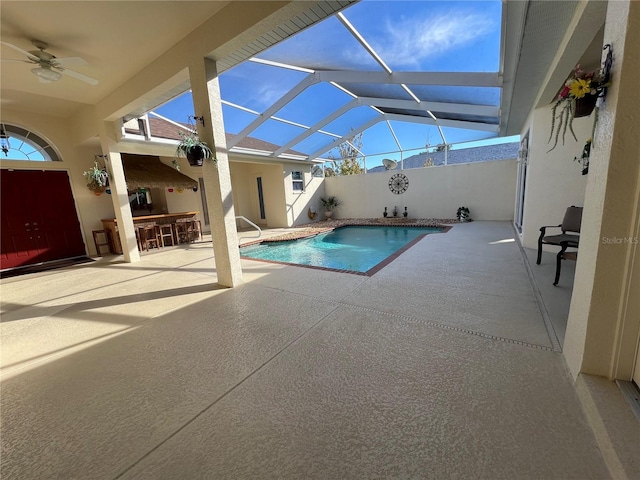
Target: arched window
<point x="18" y="143"/>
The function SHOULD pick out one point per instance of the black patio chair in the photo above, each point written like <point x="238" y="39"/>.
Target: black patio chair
<point x="570" y="223"/>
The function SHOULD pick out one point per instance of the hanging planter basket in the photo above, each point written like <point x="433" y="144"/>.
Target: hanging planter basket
<point x="195" y="156"/>
<point x="584" y="106"/>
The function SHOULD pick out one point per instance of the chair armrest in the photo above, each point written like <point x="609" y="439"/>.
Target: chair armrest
<point x="543" y="228"/>
<point x="568" y="244"/>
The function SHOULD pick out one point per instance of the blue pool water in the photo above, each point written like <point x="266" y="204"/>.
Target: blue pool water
<point x="347" y="248"/>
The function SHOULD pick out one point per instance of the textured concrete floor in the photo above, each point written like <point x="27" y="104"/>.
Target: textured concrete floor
<point x="439" y="366"/>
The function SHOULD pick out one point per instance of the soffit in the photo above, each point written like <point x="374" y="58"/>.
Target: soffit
<point x="549" y="53"/>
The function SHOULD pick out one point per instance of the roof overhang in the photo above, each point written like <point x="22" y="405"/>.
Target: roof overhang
<point x="146" y="171"/>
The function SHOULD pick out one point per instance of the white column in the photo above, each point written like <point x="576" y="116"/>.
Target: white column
<point x="602" y="331"/>
<point x="217" y="179"/>
<point x="119" y="195"/>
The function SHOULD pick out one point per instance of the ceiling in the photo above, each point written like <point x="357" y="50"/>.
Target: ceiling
<point x="115" y="38"/>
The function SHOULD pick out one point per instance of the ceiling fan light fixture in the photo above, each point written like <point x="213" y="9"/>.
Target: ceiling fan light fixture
<point x="47" y="74"/>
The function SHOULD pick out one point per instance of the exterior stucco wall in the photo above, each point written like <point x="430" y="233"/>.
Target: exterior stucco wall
<point x="486" y="188"/>
<point x="554" y="180"/>
<point x="245" y="191"/>
<point x="298" y="203"/>
<point x="602" y="336"/>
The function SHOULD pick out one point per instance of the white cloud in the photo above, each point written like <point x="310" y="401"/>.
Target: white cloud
<point x="413" y="40"/>
<point x="267" y="95"/>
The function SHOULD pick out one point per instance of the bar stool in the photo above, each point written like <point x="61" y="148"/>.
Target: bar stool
<point x="184" y="230"/>
<point x="166" y="234"/>
<point x="196" y="226"/>
<point x="149" y="236"/>
<point x="107" y="242"/>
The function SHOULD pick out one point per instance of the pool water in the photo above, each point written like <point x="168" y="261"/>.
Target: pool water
<point x="358" y="249"/>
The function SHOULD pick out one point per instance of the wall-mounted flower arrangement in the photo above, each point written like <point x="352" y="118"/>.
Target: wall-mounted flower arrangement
<point x="578" y="98"/>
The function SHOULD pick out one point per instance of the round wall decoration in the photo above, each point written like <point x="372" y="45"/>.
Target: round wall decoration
<point x="398" y="183"/>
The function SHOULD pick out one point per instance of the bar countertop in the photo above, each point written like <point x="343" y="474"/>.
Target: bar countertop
<point x="147" y="218"/>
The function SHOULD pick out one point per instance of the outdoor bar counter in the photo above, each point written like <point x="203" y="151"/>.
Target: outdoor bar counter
<point x="111" y="224"/>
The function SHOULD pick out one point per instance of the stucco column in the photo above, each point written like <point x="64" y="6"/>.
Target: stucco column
<point x="119" y="195"/>
<point x="602" y="333"/>
<point x="217" y="179"/>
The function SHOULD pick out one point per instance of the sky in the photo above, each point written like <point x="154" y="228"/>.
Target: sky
<point x="420" y="35"/>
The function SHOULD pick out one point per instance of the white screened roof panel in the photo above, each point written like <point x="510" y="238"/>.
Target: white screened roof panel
<point x="314" y="104"/>
<point x="313" y="143"/>
<point x="326" y="46"/>
<point x="273" y="130"/>
<point x="351" y="120"/>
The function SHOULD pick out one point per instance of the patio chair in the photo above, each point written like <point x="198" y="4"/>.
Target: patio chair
<point x="564" y="255"/>
<point x="570" y="223"/>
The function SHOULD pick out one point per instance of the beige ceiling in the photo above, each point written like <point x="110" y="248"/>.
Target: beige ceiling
<point x="116" y="38"/>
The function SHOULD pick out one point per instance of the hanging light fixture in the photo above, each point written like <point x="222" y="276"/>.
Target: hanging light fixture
<point x="46" y="74"/>
<point x="4" y="141"/>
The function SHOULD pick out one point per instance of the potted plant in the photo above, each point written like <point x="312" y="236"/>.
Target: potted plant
<point x="193" y="149"/>
<point x="463" y="214"/>
<point x="97" y="179"/>
<point x="329" y="204"/>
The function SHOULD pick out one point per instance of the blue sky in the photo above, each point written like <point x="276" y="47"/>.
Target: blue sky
<point x="450" y="36"/>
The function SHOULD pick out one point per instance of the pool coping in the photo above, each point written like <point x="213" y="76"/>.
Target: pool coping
<point x="292" y="236"/>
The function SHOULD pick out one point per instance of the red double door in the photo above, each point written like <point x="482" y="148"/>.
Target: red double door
<point x="39" y="219"/>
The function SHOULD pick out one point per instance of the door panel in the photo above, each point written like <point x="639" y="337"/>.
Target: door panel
<point x="39" y="220"/>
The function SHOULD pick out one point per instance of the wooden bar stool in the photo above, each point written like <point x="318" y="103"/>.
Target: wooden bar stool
<point x="107" y="242"/>
<point x="197" y="229"/>
<point x="166" y="234"/>
<point x="149" y="236"/>
<point x="184" y="230"/>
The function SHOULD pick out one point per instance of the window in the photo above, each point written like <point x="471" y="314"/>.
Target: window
<point x="21" y="144"/>
<point x="298" y="181"/>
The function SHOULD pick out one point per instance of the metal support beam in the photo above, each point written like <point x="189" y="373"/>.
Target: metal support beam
<point x="452" y="79"/>
<point x="457" y="108"/>
<point x="485" y="127"/>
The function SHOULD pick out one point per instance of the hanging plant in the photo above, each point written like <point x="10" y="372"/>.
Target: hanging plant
<point x="97" y="178"/>
<point x="193" y="149"/>
<point x="578" y="98"/>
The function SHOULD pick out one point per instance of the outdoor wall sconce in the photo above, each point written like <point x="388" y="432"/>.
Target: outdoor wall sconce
<point x="4" y="142"/>
<point x="200" y="119"/>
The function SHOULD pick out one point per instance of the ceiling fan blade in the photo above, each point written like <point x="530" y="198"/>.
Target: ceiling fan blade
<point x="24" y="52"/>
<point x="79" y="76"/>
<point x="12" y="60"/>
<point x="71" y="62"/>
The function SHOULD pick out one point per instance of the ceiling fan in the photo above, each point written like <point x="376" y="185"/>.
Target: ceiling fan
<point x="49" y="68"/>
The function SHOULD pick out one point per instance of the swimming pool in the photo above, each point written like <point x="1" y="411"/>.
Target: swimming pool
<point x="356" y="249"/>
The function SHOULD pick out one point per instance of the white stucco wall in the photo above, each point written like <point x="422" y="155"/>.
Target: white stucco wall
<point x="602" y="334"/>
<point x="298" y="203"/>
<point x="283" y="206"/>
<point x="486" y="188"/>
<point x="554" y="179"/>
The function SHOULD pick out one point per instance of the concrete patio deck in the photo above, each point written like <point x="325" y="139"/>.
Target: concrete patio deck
<point x="438" y="366"/>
